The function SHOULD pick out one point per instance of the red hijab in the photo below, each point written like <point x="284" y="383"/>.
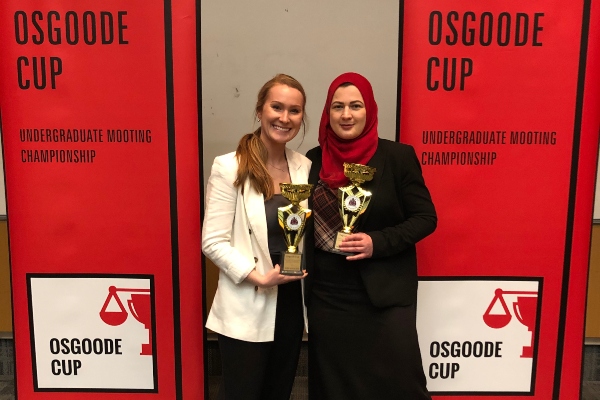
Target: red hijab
<point x="337" y="151"/>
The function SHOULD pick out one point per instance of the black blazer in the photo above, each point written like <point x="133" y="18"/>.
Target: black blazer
<point x="400" y="214"/>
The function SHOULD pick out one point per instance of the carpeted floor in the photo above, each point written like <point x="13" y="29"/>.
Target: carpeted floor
<point x="590" y="389"/>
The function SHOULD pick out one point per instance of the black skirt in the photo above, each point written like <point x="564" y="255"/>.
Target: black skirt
<point x="358" y="351"/>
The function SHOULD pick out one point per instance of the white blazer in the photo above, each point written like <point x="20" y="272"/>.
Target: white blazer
<point x="234" y="237"/>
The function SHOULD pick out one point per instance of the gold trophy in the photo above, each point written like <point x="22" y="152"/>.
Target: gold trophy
<point x="292" y="219"/>
<point x="353" y="199"/>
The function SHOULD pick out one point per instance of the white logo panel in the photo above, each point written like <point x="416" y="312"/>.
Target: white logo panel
<point x="478" y="335"/>
<point x="92" y="333"/>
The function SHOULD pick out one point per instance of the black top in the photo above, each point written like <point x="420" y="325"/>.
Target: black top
<point x="275" y="232"/>
<point x="400" y="214"/>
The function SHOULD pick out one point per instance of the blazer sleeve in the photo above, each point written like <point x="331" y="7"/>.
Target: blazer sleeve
<point x="220" y="209"/>
<point x="419" y="216"/>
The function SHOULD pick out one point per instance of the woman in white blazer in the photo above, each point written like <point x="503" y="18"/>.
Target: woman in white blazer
<point x="257" y="312"/>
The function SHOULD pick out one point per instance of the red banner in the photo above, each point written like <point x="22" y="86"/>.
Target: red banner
<point x="100" y="138"/>
<point x="501" y="103"/>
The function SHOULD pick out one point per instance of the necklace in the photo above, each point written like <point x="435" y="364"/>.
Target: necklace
<point x="282" y="170"/>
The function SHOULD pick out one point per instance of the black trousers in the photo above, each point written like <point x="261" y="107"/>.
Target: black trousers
<point x="265" y="370"/>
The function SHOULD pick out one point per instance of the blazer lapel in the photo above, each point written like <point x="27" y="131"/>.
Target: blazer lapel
<point x="313" y="175"/>
<point x="377" y="162"/>
<point x="254" y="204"/>
<point x="294" y="166"/>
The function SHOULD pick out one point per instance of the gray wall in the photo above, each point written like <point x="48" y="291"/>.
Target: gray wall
<point x="244" y="44"/>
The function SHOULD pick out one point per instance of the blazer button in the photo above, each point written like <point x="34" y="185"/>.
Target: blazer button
<point x="255" y="259"/>
<point x="250" y="231"/>
<point x="256" y="288"/>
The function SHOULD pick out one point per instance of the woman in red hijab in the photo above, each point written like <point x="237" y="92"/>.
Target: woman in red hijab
<point x="362" y="307"/>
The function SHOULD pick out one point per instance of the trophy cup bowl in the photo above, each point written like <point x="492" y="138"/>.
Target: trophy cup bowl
<point x="295" y="193"/>
<point x="139" y="305"/>
<point x="292" y="219"/>
<point x="358" y="173"/>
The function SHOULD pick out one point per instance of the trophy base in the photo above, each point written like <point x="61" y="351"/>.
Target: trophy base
<point x="291" y="263"/>
<point x="339" y="236"/>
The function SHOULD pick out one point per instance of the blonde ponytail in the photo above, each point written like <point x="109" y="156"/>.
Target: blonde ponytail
<point x="252" y="155"/>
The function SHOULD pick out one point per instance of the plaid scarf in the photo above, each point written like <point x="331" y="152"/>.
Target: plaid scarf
<point x="327" y="216"/>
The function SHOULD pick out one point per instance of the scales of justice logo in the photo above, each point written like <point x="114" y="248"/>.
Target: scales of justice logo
<point x="524" y="307"/>
<point x="139" y="306"/>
